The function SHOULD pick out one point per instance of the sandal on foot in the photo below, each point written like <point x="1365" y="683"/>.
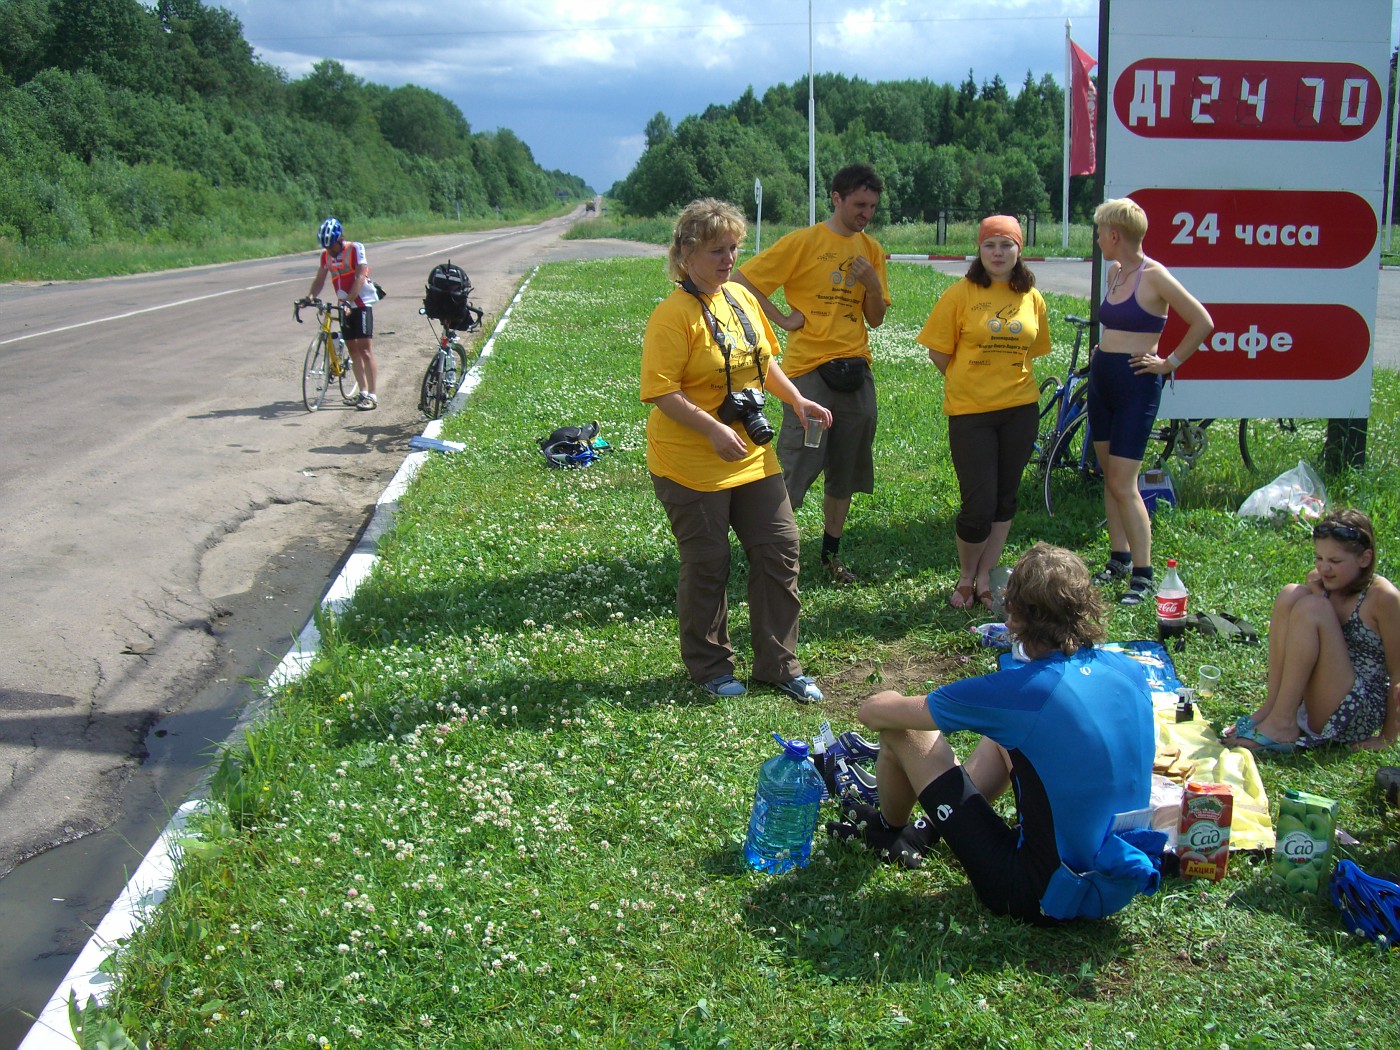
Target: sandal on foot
<point x="1243" y="724"/>
<point x="988" y="602"/>
<point x="1140" y="589"/>
<point x="838" y="573"/>
<point x="1112" y="572"/>
<point x="724" y="685"/>
<point x="963" y="596"/>
<point x="1258" y="742"/>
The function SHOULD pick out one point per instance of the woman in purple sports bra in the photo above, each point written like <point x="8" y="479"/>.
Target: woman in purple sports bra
<point x="1334" y="651"/>
<point x="1125" y="382"/>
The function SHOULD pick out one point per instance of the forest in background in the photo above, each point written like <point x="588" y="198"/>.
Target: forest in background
<point x="968" y="150"/>
<point x="121" y="122"/>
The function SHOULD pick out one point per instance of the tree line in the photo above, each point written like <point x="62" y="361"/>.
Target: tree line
<point x="971" y="148"/>
<point x="123" y="122"/>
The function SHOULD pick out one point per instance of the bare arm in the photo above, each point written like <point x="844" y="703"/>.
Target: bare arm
<point x="873" y="305"/>
<point x="892" y="710"/>
<point x="357" y="285"/>
<point x="790" y="322"/>
<point x="725" y="440"/>
<point x="1387" y="610"/>
<point x="316" y="285"/>
<point x="785" y="391"/>
<point x="940" y="360"/>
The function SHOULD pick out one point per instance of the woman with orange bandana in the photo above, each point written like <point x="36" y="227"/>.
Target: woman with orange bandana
<point x="982" y="335"/>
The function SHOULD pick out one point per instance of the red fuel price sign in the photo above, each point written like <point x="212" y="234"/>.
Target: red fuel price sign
<point x="1215" y="98"/>
<point x="1312" y="229"/>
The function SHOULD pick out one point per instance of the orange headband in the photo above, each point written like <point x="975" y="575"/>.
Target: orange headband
<point x="1000" y="226"/>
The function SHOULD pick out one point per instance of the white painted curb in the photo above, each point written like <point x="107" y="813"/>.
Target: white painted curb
<point x="147" y="888"/>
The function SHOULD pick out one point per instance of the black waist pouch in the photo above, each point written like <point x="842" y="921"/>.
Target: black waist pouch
<point x="845" y="374"/>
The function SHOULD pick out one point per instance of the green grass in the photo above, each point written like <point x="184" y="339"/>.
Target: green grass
<point x="916" y="238"/>
<point x="18" y="263"/>
<point x="495" y="813"/>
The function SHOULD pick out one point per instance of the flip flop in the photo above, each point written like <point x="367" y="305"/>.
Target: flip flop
<point x="1262" y="742"/>
<point x="1242" y="725"/>
<point x="962" y="596"/>
<point x="1244" y="630"/>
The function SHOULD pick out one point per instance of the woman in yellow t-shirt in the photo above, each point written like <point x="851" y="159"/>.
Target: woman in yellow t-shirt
<point x="707" y="358"/>
<point x="982" y="334"/>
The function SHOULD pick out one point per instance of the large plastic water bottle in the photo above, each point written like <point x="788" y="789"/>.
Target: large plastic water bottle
<point x="784" y="813"/>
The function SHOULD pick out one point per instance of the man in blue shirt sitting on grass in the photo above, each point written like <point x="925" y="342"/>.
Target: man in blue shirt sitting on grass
<point x="1070" y="730"/>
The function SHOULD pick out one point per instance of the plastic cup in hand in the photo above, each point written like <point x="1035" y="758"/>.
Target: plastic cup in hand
<point x="812" y="438"/>
<point x="1207" y="678"/>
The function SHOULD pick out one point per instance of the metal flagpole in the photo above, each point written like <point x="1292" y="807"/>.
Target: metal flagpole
<point x="1390" y="186"/>
<point x="811" y="124"/>
<point x="1069" y="91"/>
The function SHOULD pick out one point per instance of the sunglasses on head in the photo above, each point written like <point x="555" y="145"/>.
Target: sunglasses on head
<point x="1340" y="532"/>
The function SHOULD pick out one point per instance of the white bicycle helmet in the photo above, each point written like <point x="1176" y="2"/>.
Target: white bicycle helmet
<point x="1369" y="905"/>
<point x="330" y="232"/>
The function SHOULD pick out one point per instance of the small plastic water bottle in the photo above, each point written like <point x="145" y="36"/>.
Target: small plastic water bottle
<point x="784" y="814"/>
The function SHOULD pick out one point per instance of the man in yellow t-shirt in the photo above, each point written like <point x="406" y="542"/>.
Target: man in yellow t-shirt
<point x="833" y="277"/>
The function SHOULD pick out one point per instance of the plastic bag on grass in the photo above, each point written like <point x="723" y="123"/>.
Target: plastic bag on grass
<point x="1297" y="493"/>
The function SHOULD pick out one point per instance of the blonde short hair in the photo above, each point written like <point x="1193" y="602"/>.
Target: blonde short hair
<point x="701" y="222"/>
<point x="1124" y="215"/>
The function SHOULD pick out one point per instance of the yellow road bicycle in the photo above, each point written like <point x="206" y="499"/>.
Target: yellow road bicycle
<point x="327" y="358"/>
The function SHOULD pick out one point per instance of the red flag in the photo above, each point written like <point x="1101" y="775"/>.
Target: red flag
<point x="1084" y="112"/>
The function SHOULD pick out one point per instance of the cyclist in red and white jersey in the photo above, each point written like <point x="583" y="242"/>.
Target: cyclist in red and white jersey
<point x="345" y="263"/>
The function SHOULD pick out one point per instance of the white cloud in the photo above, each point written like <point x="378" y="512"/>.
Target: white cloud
<point x="577" y="80"/>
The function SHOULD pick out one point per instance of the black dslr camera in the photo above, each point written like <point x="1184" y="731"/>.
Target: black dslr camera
<point x="747" y="407"/>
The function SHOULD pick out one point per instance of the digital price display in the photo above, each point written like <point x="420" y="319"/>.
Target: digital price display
<point x="1208" y="98"/>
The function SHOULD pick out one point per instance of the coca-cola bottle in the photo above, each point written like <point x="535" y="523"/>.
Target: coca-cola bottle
<point x="1171" y="607"/>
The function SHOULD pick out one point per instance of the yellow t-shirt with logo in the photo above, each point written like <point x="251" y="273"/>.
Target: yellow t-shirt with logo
<point x="679" y="352"/>
<point x="991" y="334"/>
<point x="813" y="267"/>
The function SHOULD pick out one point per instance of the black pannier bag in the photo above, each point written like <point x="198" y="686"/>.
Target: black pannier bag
<point x="445" y="296"/>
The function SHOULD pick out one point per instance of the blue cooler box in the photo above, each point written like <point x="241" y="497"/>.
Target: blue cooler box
<point x="1157" y="489"/>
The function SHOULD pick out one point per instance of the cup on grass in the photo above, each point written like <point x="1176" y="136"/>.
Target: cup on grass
<point x="1207" y="678"/>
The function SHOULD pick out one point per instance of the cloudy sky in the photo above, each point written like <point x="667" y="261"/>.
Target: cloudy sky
<point x="578" y="80"/>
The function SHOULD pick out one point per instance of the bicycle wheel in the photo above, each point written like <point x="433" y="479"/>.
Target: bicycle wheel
<point x="1050" y="388"/>
<point x="1071" y="465"/>
<point x="349" y="387"/>
<point x="316" y="375"/>
<point x="1276" y="443"/>
<point x="456" y="370"/>
<point x="433" y="398"/>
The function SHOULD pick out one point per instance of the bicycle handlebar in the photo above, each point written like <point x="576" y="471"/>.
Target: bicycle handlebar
<point x="318" y="305"/>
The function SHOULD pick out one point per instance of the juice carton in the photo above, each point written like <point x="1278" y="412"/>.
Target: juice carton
<point x="1203" y="836"/>
<point x="1303" y="855"/>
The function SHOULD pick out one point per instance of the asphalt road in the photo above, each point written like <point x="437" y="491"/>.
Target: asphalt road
<point x="172" y="515"/>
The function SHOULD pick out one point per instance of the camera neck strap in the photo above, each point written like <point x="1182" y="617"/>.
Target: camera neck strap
<point x="722" y="339"/>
